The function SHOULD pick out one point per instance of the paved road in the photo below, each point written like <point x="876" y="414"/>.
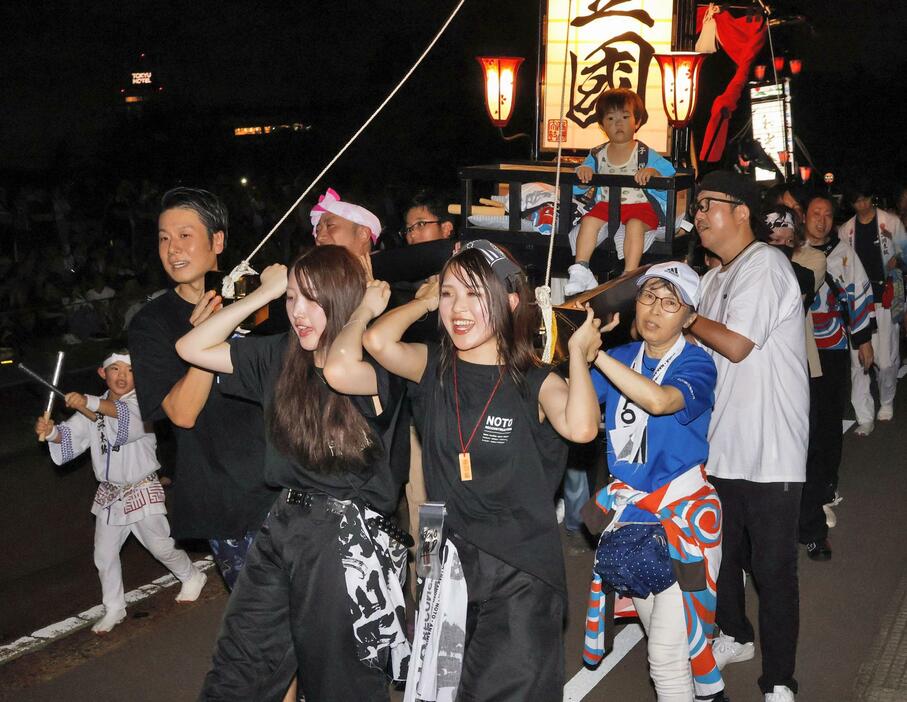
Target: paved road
<point x="853" y="609"/>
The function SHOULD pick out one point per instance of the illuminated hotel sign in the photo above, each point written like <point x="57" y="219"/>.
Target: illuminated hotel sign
<point x="141" y="78"/>
<point x="772" y="124"/>
<point x="611" y="45"/>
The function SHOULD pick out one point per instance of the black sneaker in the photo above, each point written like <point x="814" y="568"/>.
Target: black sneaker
<point x="819" y="550"/>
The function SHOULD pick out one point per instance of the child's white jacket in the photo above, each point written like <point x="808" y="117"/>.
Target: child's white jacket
<point x="123" y="457"/>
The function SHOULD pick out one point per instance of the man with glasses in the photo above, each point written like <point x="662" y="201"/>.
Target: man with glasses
<point x="426" y="219"/>
<point x="751" y="319"/>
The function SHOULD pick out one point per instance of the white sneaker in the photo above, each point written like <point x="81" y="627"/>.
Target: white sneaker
<point x="781" y="693"/>
<point x="192" y="588"/>
<point x="108" y="621"/>
<point x="581" y="280"/>
<point x="864" y="429"/>
<point x="726" y="650"/>
<point x="886" y="412"/>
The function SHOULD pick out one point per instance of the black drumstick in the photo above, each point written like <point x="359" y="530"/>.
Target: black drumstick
<point x="37" y="378"/>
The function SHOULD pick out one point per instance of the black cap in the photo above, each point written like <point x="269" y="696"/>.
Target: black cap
<point x="737" y="186"/>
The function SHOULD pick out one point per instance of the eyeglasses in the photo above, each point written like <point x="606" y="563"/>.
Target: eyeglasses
<point x="703" y="204"/>
<point x="668" y="304"/>
<point x="418" y="225"/>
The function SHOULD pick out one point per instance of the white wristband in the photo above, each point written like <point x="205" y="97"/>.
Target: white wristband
<point x="93" y="403"/>
<point x="53" y="434"/>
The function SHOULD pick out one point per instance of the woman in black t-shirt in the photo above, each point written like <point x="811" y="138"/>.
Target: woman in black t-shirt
<point x="490" y="417"/>
<point x="321" y="590"/>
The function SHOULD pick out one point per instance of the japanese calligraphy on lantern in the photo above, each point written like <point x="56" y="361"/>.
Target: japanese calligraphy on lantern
<point x="610" y="45"/>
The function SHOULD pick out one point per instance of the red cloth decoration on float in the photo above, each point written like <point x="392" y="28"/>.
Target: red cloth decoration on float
<point x="741" y="38"/>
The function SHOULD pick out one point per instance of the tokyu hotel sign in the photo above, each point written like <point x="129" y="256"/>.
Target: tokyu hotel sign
<point x="611" y="44"/>
<point x="143" y="78"/>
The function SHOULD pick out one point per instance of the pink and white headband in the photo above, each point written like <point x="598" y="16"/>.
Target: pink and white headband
<point x="331" y="202"/>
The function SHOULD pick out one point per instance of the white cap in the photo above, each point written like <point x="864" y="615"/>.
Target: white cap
<point x="680" y="275"/>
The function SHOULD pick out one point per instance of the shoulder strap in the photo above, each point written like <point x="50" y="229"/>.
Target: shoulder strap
<point x="642" y="161"/>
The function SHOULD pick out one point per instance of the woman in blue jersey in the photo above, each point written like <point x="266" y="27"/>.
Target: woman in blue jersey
<point x="658" y="396"/>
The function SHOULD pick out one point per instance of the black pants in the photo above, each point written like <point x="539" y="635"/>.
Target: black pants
<point x="829" y="395"/>
<point x="763" y="517"/>
<point x="290" y="611"/>
<point x="514" y="633"/>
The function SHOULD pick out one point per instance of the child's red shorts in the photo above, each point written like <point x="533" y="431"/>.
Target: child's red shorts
<point x="642" y="211"/>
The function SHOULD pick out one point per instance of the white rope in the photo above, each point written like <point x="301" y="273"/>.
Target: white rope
<point x="243" y="266"/>
<point x="543" y="293"/>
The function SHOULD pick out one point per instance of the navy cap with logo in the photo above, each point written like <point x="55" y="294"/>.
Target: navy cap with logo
<point x="736" y="186"/>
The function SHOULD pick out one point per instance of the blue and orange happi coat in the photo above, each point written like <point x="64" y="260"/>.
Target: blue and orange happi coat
<point x="690" y="512"/>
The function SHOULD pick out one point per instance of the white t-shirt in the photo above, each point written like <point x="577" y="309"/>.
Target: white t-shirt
<point x="628" y="196"/>
<point x="760" y="424"/>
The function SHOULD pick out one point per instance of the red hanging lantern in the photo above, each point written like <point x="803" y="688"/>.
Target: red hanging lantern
<point x="679" y="84"/>
<point x="829" y="178"/>
<point x="779" y="63"/>
<point x="784" y="157"/>
<point x="795" y="65"/>
<point x="805" y="173"/>
<point x="500" y="86"/>
<point x="759" y="71"/>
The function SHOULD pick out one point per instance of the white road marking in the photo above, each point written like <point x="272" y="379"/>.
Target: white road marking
<point x="848" y="423"/>
<point x="49" y="634"/>
<point x="585" y="680"/>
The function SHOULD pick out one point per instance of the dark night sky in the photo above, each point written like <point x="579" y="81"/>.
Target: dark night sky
<point x="330" y="63"/>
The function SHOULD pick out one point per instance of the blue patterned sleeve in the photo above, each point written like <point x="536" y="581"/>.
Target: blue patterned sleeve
<point x="75" y="438"/>
<point x="127" y="426"/>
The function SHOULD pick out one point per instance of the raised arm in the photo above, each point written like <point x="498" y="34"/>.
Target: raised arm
<point x="345" y="370"/>
<point x="573" y="408"/>
<point x="733" y="346"/>
<point x="91" y="405"/>
<point x="206" y="345"/>
<point x="383" y="339"/>
<point x="642" y="391"/>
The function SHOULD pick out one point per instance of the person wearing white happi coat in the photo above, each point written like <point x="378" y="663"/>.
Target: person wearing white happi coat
<point x="879" y="239"/>
<point x="130" y="499"/>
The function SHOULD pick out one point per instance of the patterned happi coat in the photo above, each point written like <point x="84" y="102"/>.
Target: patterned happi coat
<point x="690" y="512"/>
<point x="123" y="456"/>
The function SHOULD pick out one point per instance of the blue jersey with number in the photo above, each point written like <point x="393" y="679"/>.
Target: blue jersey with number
<point x="674" y="442"/>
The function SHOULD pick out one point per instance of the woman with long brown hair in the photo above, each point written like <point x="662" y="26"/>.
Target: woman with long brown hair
<point x="490" y="416"/>
<point x="321" y="589"/>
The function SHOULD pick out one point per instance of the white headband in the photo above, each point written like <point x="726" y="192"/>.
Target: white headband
<point x="117" y="357"/>
<point x="331" y="202"/>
